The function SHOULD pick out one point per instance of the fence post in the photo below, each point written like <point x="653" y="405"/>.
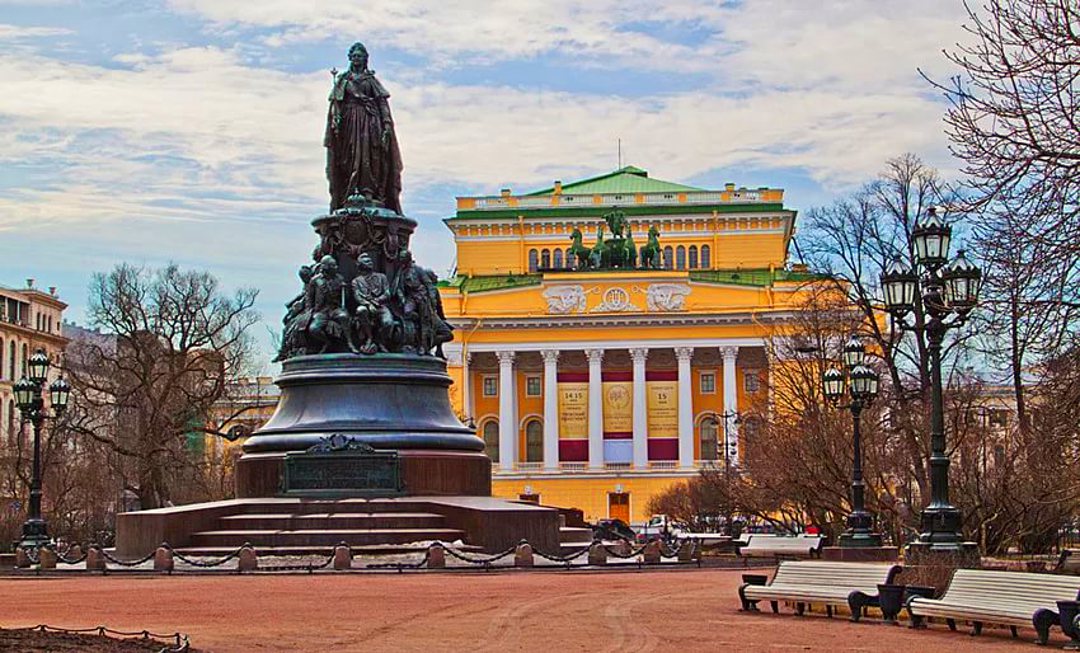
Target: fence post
<point x="249" y="559"/>
<point x="163" y="560"/>
<point x="597" y="554"/>
<point x="342" y="557"/>
<point x="523" y="555"/>
<point x="47" y="558"/>
<point x="95" y="559"/>
<point x="436" y="556"/>
<point x="652" y="552"/>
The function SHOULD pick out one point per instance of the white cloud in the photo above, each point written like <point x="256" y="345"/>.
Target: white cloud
<point x="17" y="32"/>
<point x="198" y="151"/>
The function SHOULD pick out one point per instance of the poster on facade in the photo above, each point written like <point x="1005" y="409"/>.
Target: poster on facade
<point x="618" y="406"/>
<point x="663" y="409"/>
<point x="573" y="411"/>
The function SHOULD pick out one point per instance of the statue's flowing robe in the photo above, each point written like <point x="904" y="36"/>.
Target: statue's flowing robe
<point x="356" y="157"/>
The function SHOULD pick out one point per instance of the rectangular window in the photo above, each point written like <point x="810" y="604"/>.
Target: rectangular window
<point x="491" y="386"/>
<point x="708" y="383"/>
<point x="751" y="382"/>
<point x="532" y="386"/>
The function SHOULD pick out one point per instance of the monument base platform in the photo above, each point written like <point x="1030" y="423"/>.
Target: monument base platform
<point x="423" y="472"/>
<point x="860" y="554"/>
<point x="297" y="525"/>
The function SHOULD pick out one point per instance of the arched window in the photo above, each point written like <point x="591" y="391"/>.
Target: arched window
<point x="706" y="259"/>
<point x="2" y="368"/>
<point x="25" y="358"/>
<point x="50" y="324"/>
<point x="709" y="435"/>
<point x="693" y="257"/>
<point x="534" y="442"/>
<point x="534" y="260"/>
<point x="491" y="439"/>
<point x="545" y="259"/>
<point x="11" y="360"/>
<point x="669" y="258"/>
<point x="569" y="259"/>
<point x="557" y="263"/>
<point x="680" y="258"/>
<point x="11" y="418"/>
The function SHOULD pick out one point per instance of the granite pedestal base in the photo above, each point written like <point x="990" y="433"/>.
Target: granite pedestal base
<point x="424" y="472"/>
<point x="860" y="554"/>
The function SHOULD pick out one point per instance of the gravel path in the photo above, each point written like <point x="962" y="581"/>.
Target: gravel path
<point x="549" y="611"/>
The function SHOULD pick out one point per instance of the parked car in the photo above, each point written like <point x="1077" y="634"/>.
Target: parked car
<point x="660" y="527"/>
<point x="613" y="529"/>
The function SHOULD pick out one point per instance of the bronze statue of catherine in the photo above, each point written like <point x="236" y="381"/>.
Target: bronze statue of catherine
<point x="362" y="152"/>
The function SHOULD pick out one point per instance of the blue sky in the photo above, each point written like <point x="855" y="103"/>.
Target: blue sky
<point x="190" y="130"/>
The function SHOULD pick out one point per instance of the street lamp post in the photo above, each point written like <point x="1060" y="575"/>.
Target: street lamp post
<point x="862" y="387"/>
<point x="730" y="453"/>
<point x="29" y="397"/>
<point x="946" y="292"/>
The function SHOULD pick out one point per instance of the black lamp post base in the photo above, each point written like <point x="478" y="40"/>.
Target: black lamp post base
<point x="939" y="527"/>
<point x="35" y="534"/>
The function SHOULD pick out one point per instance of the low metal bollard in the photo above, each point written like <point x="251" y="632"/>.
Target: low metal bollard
<point x="249" y="560"/>
<point x="597" y="554"/>
<point x="342" y="557"/>
<point x="523" y="555"/>
<point x="163" y="560"/>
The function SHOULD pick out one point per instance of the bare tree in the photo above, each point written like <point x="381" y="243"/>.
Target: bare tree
<point x="145" y="391"/>
<point x="1012" y="120"/>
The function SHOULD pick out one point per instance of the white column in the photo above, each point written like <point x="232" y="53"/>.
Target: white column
<point x="641" y="409"/>
<point x="596" y="409"/>
<point x="551" y="408"/>
<point x="731" y="404"/>
<point x="686" y="407"/>
<point x="507" y="411"/>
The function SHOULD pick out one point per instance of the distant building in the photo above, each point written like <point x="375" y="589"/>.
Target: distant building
<point x="30" y="319"/>
<point x="601" y="388"/>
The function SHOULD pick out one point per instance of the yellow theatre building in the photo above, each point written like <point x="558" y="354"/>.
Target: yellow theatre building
<point x="599" y="388"/>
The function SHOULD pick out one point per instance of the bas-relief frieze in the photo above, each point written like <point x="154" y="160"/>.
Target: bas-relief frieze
<point x="659" y="298"/>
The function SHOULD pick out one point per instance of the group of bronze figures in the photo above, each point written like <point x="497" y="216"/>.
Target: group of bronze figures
<point x="617" y="252"/>
<point x="363" y="294"/>
<point x="379" y="300"/>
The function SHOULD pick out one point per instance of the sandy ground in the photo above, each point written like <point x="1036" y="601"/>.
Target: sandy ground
<point x="678" y="610"/>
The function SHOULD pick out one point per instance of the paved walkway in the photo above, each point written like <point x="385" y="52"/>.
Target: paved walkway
<point x="552" y="612"/>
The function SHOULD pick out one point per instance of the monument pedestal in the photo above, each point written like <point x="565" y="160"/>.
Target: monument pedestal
<point x="423" y="473"/>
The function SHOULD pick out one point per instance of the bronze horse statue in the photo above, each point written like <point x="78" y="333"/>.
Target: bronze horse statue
<point x="649" y="254"/>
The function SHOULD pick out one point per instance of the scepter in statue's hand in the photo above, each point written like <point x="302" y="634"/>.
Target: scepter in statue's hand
<point x="336" y="122"/>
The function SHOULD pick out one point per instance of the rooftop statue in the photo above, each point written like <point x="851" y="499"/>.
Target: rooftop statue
<point x="362" y="154"/>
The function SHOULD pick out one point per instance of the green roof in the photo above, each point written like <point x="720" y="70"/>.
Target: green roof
<point x="500" y="282"/>
<point x="628" y="179"/>
<point x="755" y="277"/>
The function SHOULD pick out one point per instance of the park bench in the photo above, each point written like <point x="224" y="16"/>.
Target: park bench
<point x="851" y="584"/>
<point x="1008" y="598"/>
<point x="801" y="546"/>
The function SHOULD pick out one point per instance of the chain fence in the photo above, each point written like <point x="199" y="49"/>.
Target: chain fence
<point x="182" y="642"/>
<point x="625" y="552"/>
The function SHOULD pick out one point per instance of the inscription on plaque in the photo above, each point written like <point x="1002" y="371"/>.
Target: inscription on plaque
<point x="343" y="470"/>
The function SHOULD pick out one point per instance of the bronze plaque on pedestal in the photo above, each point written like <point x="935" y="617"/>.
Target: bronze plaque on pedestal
<point x="343" y="471"/>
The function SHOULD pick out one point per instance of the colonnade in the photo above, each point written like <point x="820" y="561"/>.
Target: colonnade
<point x="639" y="355"/>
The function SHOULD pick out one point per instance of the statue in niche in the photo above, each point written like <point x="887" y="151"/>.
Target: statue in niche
<point x="372" y="317"/>
<point x="329" y="327"/>
<point x="362" y="151"/>
<point x="296" y="320"/>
